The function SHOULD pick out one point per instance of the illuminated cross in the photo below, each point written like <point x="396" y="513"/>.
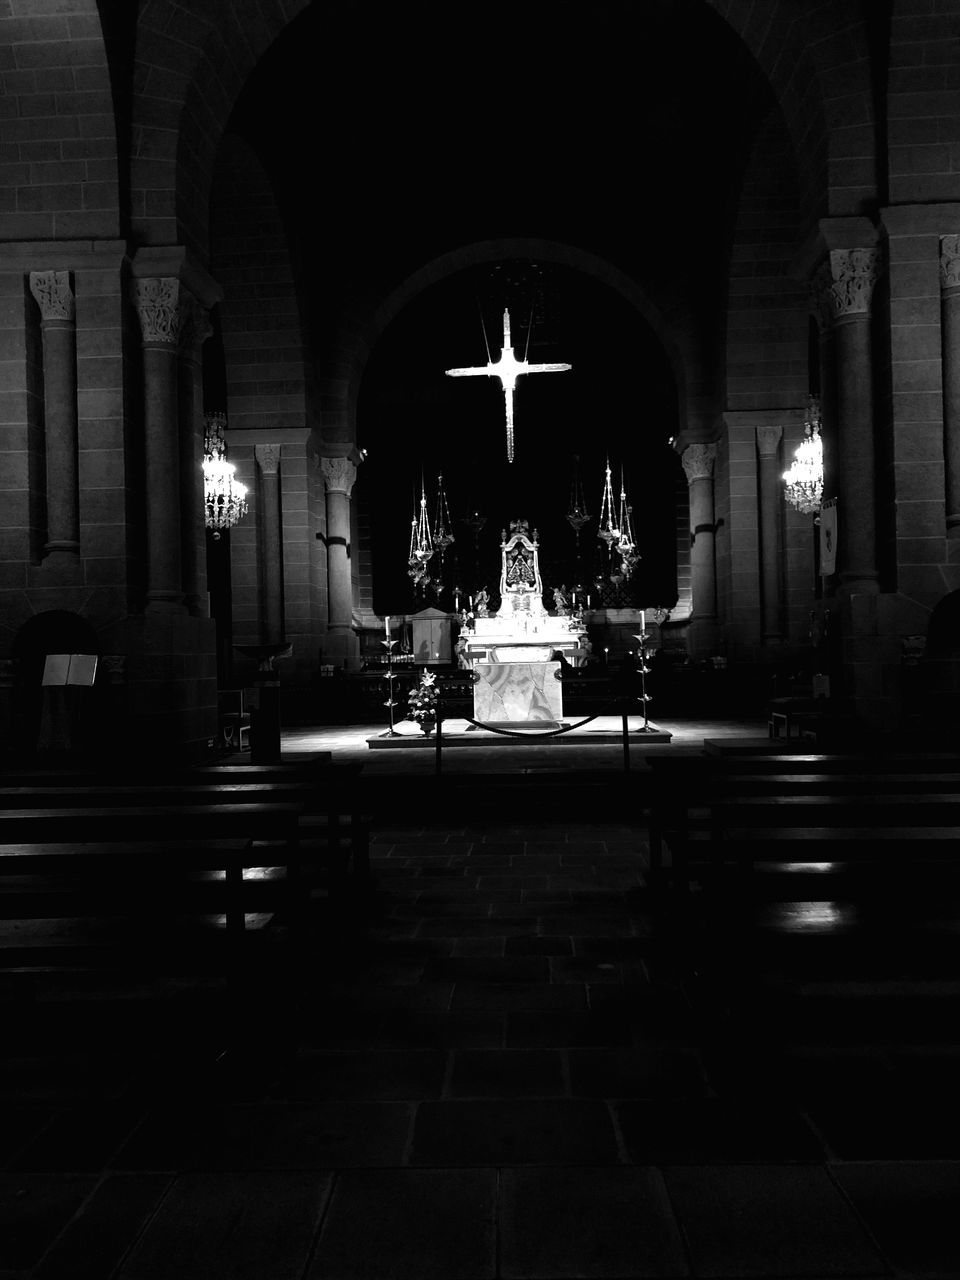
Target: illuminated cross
<point x="508" y="369"/>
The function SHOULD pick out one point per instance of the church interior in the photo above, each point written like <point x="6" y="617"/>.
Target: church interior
<point x="479" y="639"/>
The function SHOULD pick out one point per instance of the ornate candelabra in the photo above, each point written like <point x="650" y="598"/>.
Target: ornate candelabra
<point x="391" y="701"/>
<point x="644" y="671"/>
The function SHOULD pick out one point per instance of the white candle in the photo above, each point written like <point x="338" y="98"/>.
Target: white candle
<point x="588" y="600"/>
<point x="386" y="626"/>
<point x="574" y="598"/>
<point x="643" y="620"/>
<point x="471" y="602"/>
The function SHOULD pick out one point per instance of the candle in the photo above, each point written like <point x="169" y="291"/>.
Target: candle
<point x="471" y="602"/>
<point x="643" y="619"/>
<point x="386" y="626"/>
<point x="456" y="602"/>
<point x="574" y="599"/>
<point x="588" y="599"/>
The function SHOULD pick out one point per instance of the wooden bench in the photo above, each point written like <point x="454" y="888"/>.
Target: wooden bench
<point x="69" y="849"/>
<point x="744" y="810"/>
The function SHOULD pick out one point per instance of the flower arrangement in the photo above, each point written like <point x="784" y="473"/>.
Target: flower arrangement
<point x="423" y="702"/>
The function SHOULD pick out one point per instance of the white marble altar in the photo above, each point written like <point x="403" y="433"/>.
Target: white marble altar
<point x="512" y="653"/>
<point x="514" y="693"/>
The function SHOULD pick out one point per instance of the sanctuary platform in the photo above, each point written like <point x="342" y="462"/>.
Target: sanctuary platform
<point x="601" y="731"/>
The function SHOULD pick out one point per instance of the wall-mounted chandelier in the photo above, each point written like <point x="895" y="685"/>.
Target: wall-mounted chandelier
<point x="803" y="482"/>
<point x="225" y="499"/>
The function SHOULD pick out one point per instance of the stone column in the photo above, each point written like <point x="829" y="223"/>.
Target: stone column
<point x="768" y="445"/>
<point x="58" y="321"/>
<point x="698" y="460"/>
<point x="157" y="303"/>
<point x="950" y="341"/>
<point x="339" y="475"/>
<point x="268" y="460"/>
<point x="844" y="285"/>
<point x="195" y="328"/>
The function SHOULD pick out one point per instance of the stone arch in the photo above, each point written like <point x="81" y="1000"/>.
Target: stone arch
<point x="66" y="184"/>
<point x="186" y="89"/>
<point x="341" y="376"/>
<point x="818" y="66"/>
<point x="191" y="66"/>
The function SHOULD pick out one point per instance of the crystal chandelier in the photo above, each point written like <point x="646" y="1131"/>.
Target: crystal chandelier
<point x="225" y="499"/>
<point x="803" y="483"/>
<point x="421" y="543"/>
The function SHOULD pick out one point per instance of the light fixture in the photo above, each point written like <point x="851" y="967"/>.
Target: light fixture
<point x="803" y="482"/>
<point x="421" y="543"/>
<point x="626" y="543"/>
<point x="442" y="524"/>
<point x="508" y="369"/>
<point x="225" y="499"/>
<point x="608" y="531"/>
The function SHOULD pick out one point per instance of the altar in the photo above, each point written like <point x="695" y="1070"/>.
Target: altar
<point x="515" y="654"/>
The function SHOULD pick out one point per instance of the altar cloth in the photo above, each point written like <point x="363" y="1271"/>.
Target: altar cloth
<point x="511" y="692"/>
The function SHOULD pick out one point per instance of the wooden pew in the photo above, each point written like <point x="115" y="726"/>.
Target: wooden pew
<point x="702" y="807"/>
<point x="69" y="849"/>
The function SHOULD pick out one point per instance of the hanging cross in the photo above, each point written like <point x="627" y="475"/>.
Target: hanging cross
<point x="508" y="369"/>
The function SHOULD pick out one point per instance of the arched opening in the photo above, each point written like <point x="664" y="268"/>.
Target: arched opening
<point x="618" y="401"/>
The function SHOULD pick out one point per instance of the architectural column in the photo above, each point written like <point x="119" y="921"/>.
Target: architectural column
<point x="195" y="328"/>
<point x="844" y="286"/>
<point x="950" y="341"/>
<point x="768" y="445"/>
<point x="339" y="475"/>
<point x="268" y="460"/>
<point x="58" y="321"/>
<point x="157" y="303"/>
<point x="698" y="460"/>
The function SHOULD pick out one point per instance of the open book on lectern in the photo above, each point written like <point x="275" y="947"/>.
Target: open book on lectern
<point x="70" y="668"/>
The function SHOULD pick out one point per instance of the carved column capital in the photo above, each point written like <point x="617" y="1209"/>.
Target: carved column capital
<point x="339" y="474"/>
<point x="195" y="326"/>
<point x="768" y="440"/>
<point x="268" y="458"/>
<point x="53" y="294"/>
<point x="157" y="302"/>
<point x="843" y="284"/>
<point x="698" y="460"/>
<point x="949" y="262"/>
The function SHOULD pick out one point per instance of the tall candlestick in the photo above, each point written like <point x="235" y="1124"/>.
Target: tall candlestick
<point x="386" y="626"/>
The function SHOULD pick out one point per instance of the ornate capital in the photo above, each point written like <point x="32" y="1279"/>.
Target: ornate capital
<point x="949" y="262"/>
<point x="157" y="303"/>
<point x="698" y="460"/>
<point x="339" y="474"/>
<point x="843" y="284"/>
<point x="53" y="294"/>
<point x="268" y="458"/>
<point x="195" y="325"/>
<point x="768" y="440"/>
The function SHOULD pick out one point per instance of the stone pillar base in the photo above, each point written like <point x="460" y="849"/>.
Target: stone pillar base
<point x="703" y="637"/>
<point x="342" y="649"/>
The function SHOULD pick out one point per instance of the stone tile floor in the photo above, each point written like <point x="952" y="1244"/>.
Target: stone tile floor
<point x="504" y="1058"/>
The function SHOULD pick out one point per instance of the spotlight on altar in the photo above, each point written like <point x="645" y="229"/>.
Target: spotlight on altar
<point x="803" y="482"/>
<point x="225" y="499"/>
